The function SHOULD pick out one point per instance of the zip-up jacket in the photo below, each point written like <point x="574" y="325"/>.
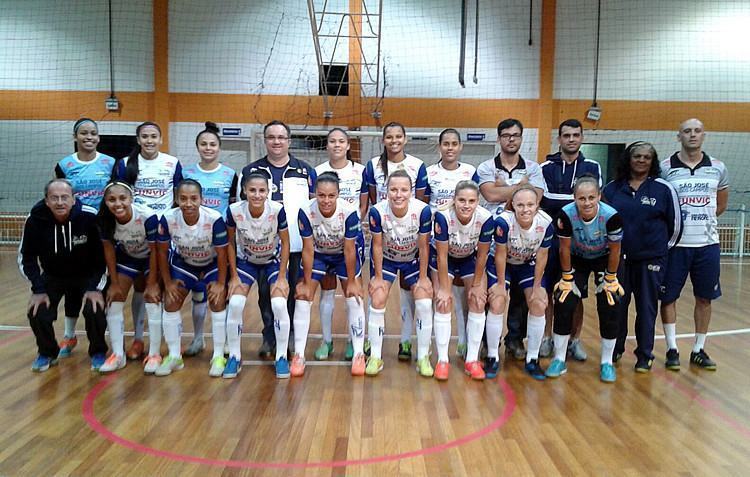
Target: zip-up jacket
<point x="560" y="177"/>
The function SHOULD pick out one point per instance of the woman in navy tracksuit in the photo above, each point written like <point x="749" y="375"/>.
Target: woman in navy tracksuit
<point x="652" y="225"/>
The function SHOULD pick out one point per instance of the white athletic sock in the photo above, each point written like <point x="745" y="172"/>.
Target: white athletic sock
<point x="281" y="325"/>
<point x="301" y="325"/>
<point x="608" y="347"/>
<point x="116" y="327"/>
<point x="561" y="346"/>
<point x="153" y="312"/>
<point x="670" y="333"/>
<point x="375" y="331"/>
<point x="442" y="335"/>
<point x="327" y="299"/>
<point x="700" y="342"/>
<point x="474" y="332"/>
<point x="199" y="317"/>
<point x="235" y="311"/>
<point x="494" y="332"/>
<point x="459" y="299"/>
<point x="355" y="312"/>
<point x="219" y="331"/>
<point x="138" y="309"/>
<point x="423" y="312"/>
<point x="70" y="326"/>
<point x="534" y="333"/>
<point x="172" y="324"/>
<point x="407" y="314"/>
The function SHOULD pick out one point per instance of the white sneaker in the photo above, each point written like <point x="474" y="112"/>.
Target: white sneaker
<point x="113" y="363"/>
<point x="151" y="363"/>
<point x="169" y="364"/>
<point x="218" y="363"/>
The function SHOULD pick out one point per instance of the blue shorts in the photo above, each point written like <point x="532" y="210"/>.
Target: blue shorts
<point x="702" y="263"/>
<point x="324" y="264"/>
<point x="195" y="278"/>
<point x="457" y="267"/>
<point x="409" y="271"/>
<point x="249" y="272"/>
<point x="519" y="275"/>
<point x="131" y="267"/>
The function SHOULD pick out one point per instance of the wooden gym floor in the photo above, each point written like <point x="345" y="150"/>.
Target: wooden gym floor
<point x="70" y="421"/>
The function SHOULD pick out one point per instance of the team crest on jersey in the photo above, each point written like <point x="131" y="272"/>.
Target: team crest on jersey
<point x="539" y="229"/>
<point x="271" y="217"/>
<point x="413" y="216"/>
<point x="274" y="188"/>
<point x="70" y="164"/>
<point x="207" y="226"/>
<point x="648" y="201"/>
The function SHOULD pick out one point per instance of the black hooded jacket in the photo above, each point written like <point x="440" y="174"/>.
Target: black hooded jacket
<point x="72" y="249"/>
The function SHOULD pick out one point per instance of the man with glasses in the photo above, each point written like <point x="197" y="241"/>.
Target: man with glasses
<point x="292" y="183"/>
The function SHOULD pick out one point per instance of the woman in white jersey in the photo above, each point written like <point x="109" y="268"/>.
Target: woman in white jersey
<point x="400" y="229"/>
<point x="463" y="234"/>
<point x="258" y="242"/>
<point x="351" y="180"/>
<point x="330" y="229"/>
<point x="129" y="235"/>
<point x="153" y="176"/>
<point x="523" y="235"/>
<point x="192" y="257"/>
<point x="377" y="171"/>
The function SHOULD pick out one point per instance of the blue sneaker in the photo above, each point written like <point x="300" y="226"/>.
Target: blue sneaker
<point x="282" y="368"/>
<point x="42" y="364"/>
<point x="97" y="361"/>
<point x="491" y="367"/>
<point x="556" y="369"/>
<point x="233" y="368"/>
<point x="533" y="369"/>
<point x="607" y="373"/>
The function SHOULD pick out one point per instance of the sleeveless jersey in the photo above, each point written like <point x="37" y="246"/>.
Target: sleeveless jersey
<point x="195" y="244"/>
<point x="412" y="165"/>
<point x="590" y="239"/>
<point x="329" y="233"/>
<point x="217" y="185"/>
<point x="257" y="239"/>
<point x="351" y="180"/>
<point x="463" y="239"/>
<point x="88" y="177"/>
<point x="441" y="183"/>
<point x="133" y="238"/>
<point x="154" y="187"/>
<point x="522" y="245"/>
<point x="400" y="234"/>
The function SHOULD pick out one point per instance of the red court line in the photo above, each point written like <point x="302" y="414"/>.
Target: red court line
<point x="18" y="335"/>
<point x="87" y="409"/>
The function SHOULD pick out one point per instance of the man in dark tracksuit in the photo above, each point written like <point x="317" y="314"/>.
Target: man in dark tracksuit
<point x="61" y="255"/>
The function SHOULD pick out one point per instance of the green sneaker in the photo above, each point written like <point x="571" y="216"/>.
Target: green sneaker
<point x="349" y="351"/>
<point x="217" y="366"/>
<point x="424" y="368"/>
<point x="324" y="350"/>
<point x="169" y="364"/>
<point x="461" y="351"/>
<point x="374" y="366"/>
<point x="404" y="351"/>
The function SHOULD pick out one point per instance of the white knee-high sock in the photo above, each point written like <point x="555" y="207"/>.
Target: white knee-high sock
<point x="70" y="326"/>
<point x="301" y="325"/>
<point x="219" y="331"/>
<point x="172" y="324"/>
<point x="281" y="325"/>
<point x="116" y="327"/>
<point x="608" y="347"/>
<point x="153" y="312"/>
<point x="474" y="332"/>
<point x="423" y="312"/>
<point x="327" y="300"/>
<point x="442" y="335"/>
<point x="561" y="346"/>
<point x="534" y="334"/>
<point x="494" y="332"/>
<point x="407" y="314"/>
<point x="199" y="317"/>
<point x="235" y="311"/>
<point x="459" y="299"/>
<point x="355" y="312"/>
<point x="670" y="334"/>
<point x="375" y="331"/>
<point x="138" y="309"/>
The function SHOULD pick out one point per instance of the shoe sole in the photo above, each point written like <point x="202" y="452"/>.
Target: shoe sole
<point x="608" y="381"/>
<point x="672" y="367"/>
<point x="642" y="370"/>
<point x="707" y="368"/>
<point x="282" y="376"/>
<point x="107" y="371"/>
<point x="554" y="376"/>
<point x="403" y="357"/>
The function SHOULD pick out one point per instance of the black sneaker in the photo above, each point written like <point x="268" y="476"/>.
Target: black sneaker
<point x="533" y="369"/>
<point x="643" y="364"/>
<point x="266" y="350"/>
<point x="515" y="348"/>
<point x="491" y="367"/>
<point x="673" y="360"/>
<point x="404" y="351"/>
<point x="702" y="360"/>
<point x="616" y="357"/>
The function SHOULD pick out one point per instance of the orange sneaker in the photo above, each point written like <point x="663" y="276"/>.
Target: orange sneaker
<point x="358" y="365"/>
<point x="298" y="366"/>
<point x="474" y="369"/>
<point x="136" y="350"/>
<point x="66" y="347"/>
<point x="151" y="363"/>
<point x="442" y="368"/>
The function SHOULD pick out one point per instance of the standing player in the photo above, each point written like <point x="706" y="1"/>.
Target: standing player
<point x="590" y="233"/>
<point x="192" y="257"/>
<point x="88" y="171"/>
<point x="702" y="186"/>
<point x="219" y="184"/>
<point x="463" y="233"/>
<point x="400" y="228"/>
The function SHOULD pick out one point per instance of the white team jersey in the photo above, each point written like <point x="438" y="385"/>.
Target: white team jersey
<point x="463" y="239"/>
<point x="155" y="184"/>
<point x="442" y="182"/>
<point x="522" y="245"/>
<point x="350" y="179"/>
<point x="410" y="164"/>
<point x="131" y="237"/>
<point x="257" y="239"/>
<point x="328" y="232"/>
<point x="193" y="243"/>
<point x="400" y="234"/>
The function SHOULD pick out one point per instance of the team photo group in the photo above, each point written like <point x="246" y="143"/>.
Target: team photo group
<point x="509" y="244"/>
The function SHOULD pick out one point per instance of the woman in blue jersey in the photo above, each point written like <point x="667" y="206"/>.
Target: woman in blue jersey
<point x="219" y="184"/>
<point x="192" y="257"/>
<point x="129" y="234"/>
<point x="88" y="171"/>
<point x="351" y="190"/>
<point x="258" y="246"/>
<point x="523" y="235"/>
<point x="463" y="234"/>
<point x="590" y="234"/>
<point x="330" y="228"/>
